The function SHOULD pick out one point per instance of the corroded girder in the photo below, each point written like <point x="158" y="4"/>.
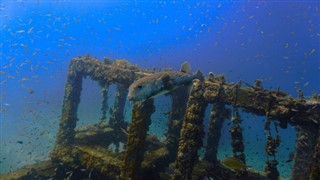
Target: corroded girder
<point x="116" y="120"/>
<point x="216" y="119"/>
<point x="119" y="71"/>
<point x="178" y="108"/>
<point x="260" y="101"/>
<point x="306" y="140"/>
<point x="104" y="103"/>
<point x="315" y="166"/>
<point x="99" y="71"/>
<point x="191" y="133"/>
<point x="70" y="106"/>
<point x="136" y="142"/>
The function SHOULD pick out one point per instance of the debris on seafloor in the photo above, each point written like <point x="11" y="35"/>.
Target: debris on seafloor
<point x="83" y="153"/>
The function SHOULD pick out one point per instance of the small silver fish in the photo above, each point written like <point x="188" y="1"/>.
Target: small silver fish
<point x="161" y="83"/>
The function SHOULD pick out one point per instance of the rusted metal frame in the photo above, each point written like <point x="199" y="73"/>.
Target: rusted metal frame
<point x="71" y="101"/>
<point x="79" y="68"/>
<point x="70" y="106"/>
<point x="275" y="104"/>
<point x="102" y="72"/>
<point x="214" y="90"/>
<point x="191" y="133"/>
<point x="284" y="108"/>
<point x="281" y="107"/>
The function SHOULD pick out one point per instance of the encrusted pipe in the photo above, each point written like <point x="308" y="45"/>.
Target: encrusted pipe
<point x="217" y="116"/>
<point x="306" y="140"/>
<point x="104" y="104"/>
<point x="237" y="137"/>
<point x="138" y="129"/>
<point x="315" y="167"/>
<point x="178" y="108"/>
<point x="70" y="106"/>
<point x="116" y="119"/>
<point x="191" y="132"/>
<point x="271" y="146"/>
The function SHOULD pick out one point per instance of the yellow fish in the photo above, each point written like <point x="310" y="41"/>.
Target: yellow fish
<point x="234" y="164"/>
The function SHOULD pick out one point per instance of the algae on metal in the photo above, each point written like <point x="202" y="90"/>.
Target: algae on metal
<point x="136" y="142"/>
<point x="69" y="108"/>
<point x="191" y="132"/>
<point x="176" y="116"/>
<point x="217" y="116"/>
<point x="306" y="141"/>
<point x="145" y="157"/>
<point x="315" y="168"/>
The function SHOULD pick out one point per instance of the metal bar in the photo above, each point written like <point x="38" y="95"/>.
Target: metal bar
<point x="306" y="140"/>
<point x="70" y="106"/>
<point x="138" y="129"/>
<point x="217" y="116"/>
<point x="104" y="103"/>
<point x="315" y="166"/>
<point x="116" y="120"/>
<point x="191" y="132"/>
<point x="178" y="109"/>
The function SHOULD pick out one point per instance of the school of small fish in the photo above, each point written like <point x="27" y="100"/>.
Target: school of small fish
<point x="31" y="49"/>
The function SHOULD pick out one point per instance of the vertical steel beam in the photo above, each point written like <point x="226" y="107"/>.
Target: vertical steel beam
<point x="217" y="116"/>
<point x="135" y="148"/>
<point x="191" y="132"/>
<point x="306" y="140"/>
<point x="70" y="106"/>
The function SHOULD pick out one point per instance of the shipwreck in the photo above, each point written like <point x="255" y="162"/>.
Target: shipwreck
<point x="82" y="153"/>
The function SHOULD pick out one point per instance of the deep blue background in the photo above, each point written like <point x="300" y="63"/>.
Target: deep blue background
<point x="277" y="42"/>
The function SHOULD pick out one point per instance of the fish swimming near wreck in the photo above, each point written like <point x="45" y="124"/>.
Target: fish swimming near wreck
<point x="161" y="83"/>
<point x="234" y="164"/>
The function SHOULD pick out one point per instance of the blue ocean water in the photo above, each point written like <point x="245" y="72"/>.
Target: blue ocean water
<point x="275" y="41"/>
